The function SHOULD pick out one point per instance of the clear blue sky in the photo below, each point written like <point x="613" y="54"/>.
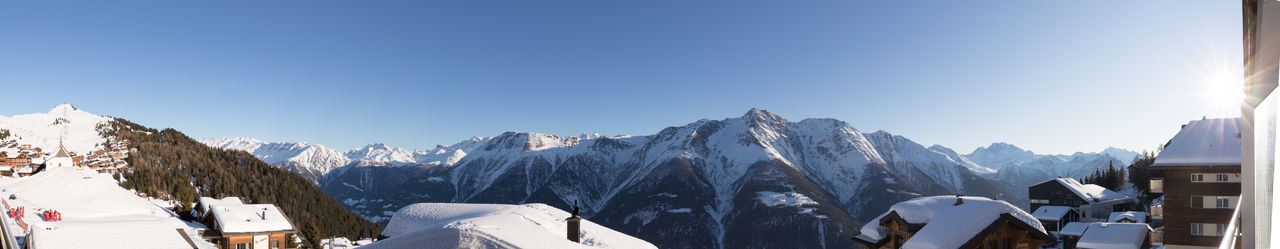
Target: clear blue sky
<point x="1050" y="76"/>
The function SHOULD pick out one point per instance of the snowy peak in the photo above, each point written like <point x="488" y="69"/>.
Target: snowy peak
<point x="756" y="115"/>
<point x="1126" y="156"/>
<point x="63" y="108"/>
<point x="381" y="153"/>
<point x="238" y="143"/>
<point x="999" y="153"/>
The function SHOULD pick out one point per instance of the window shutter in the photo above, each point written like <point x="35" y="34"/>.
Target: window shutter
<point x="1197" y="201"/>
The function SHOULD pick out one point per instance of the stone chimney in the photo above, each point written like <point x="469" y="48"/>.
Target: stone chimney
<point x="575" y="225"/>
<point x="959" y="200"/>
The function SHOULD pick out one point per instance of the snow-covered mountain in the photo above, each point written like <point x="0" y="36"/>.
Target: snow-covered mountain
<point x="315" y="162"/>
<point x="689" y="186"/>
<point x="381" y="153"/>
<point x="1023" y="168"/>
<point x="311" y="161"/>
<point x="77" y="130"/>
<point x="712" y="179"/>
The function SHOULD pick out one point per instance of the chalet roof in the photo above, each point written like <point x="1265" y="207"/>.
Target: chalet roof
<point x="1089" y="192"/>
<point x="1053" y="213"/>
<point x="947" y="225"/>
<point x="1206" y="142"/>
<point x="206" y="202"/>
<point x="249" y="218"/>
<point x="1074" y="229"/>
<point x="111" y="233"/>
<point x="1114" y="236"/>
<point x="1134" y="216"/>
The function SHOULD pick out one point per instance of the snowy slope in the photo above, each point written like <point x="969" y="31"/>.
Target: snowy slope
<point x="451" y="225"/>
<point x="96" y="212"/>
<point x="76" y="128"/>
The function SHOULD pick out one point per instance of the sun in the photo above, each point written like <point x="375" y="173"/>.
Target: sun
<point x="1222" y="89"/>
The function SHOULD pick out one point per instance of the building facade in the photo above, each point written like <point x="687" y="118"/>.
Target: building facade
<point x="1199" y="175"/>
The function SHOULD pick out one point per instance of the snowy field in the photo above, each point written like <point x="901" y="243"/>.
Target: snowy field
<point x="96" y="213"/>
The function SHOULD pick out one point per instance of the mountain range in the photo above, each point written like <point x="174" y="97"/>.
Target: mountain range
<point x="814" y="179"/>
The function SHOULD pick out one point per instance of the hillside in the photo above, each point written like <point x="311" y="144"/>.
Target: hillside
<point x="168" y="164"/>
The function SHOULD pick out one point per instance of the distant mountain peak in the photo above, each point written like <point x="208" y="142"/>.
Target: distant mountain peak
<point x="759" y="115"/>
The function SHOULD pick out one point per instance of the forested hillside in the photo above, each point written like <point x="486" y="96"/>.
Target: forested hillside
<point x="169" y="164"/>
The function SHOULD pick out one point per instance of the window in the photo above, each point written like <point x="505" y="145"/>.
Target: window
<point x="275" y="244"/>
<point x="1224" y="202"/>
<point x="1197" y="228"/>
<point x="1197" y="177"/>
<point x="1040" y="201"/>
<point x="242" y="246"/>
<point x="1197" y="201"/>
<point x="1223" y="178"/>
<point x="897" y="241"/>
<point x="1222" y="229"/>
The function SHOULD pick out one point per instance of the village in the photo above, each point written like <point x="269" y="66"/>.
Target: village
<point x="1192" y="203"/>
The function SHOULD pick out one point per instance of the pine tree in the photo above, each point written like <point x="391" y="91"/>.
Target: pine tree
<point x="312" y="233"/>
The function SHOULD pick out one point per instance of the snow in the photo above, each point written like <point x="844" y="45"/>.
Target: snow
<point x="311" y="156"/>
<point x="1074" y="229"/>
<point x="206" y="202"/>
<point x="789" y="199"/>
<point x="1114" y="236"/>
<point x="1090" y="192"/>
<point x="456" y="225"/>
<point x="1205" y="142"/>
<point x="381" y="153"/>
<point x="96" y="213"/>
<point x="1139" y="217"/>
<point x="1051" y="212"/>
<point x="680" y="210"/>
<point x="79" y="134"/>
<point x="946" y="225"/>
<point x="248" y="218"/>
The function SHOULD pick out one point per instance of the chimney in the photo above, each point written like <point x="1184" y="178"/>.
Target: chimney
<point x="575" y="225"/>
<point x="959" y="200"/>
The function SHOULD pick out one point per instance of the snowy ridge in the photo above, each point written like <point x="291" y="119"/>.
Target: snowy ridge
<point x="381" y="153"/>
<point x="312" y="161"/>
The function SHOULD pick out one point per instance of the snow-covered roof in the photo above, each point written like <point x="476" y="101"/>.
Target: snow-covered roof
<point x="1131" y="215"/>
<point x="1206" y="142"/>
<point x="458" y="225"/>
<point x="1089" y="192"/>
<point x="1074" y="229"/>
<point x="1051" y="212"/>
<point x="205" y="202"/>
<point x="1114" y="236"/>
<point x="249" y="218"/>
<point x="946" y="225"/>
<point x="130" y="233"/>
